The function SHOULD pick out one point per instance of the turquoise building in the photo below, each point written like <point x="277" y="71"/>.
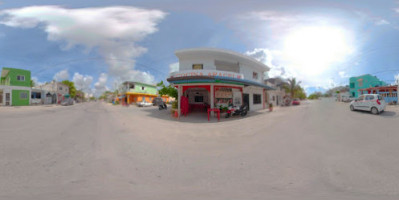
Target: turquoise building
<point x="362" y="82"/>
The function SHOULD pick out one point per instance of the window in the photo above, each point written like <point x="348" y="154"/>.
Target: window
<point x="21" y="78"/>
<point x="199" y="98"/>
<point x="255" y="75"/>
<point x="198" y="66"/>
<point x="274" y="98"/>
<point x="60" y="88"/>
<point x="142" y="88"/>
<point x="23" y="95"/>
<point x="258" y="98"/>
<point x="361" y="98"/>
<point x="369" y="97"/>
<point x="360" y="82"/>
<point x="352" y="85"/>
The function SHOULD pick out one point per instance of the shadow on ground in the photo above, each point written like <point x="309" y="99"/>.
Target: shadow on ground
<point x="194" y="117"/>
<point x="387" y="114"/>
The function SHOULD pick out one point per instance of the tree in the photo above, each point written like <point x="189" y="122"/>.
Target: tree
<point x="32" y="83"/>
<point x="293" y="87"/>
<point x="300" y="93"/>
<point x="315" y="95"/>
<point x="167" y="90"/>
<point x="72" y="89"/>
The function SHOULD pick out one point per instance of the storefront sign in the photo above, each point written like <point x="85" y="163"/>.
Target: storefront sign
<point x="209" y="73"/>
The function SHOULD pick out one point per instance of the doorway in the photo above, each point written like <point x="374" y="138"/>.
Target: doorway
<point x="246" y="99"/>
<point x="8" y="99"/>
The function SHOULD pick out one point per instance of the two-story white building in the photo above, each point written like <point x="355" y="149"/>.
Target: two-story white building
<point x="214" y="78"/>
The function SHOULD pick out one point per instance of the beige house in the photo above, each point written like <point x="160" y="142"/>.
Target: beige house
<point x="277" y="97"/>
<point x="58" y="90"/>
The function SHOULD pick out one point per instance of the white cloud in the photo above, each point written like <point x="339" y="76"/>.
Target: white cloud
<point x="266" y="56"/>
<point x="101" y="85"/>
<point x="61" y="75"/>
<point x="308" y="47"/>
<point x="343" y="74"/>
<point x="36" y="81"/>
<point x="174" y="67"/>
<point x="83" y="82"/>
<point x="396" y="79"/>
<point x="113" y="31"/>
<point x="382" y="22"/>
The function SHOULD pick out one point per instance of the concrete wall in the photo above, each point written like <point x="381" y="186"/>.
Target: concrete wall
<point x="17" y="100"/>
<point x="209" y="64"/>
<point x="251" y="90"/>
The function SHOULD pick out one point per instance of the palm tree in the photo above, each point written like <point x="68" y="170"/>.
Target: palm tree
<point x="293" y="86"/>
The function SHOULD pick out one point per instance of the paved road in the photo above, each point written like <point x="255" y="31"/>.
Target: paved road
<point x="319" y="150"/>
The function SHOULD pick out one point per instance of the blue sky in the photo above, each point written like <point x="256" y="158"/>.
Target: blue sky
<point x="98" y="43"/>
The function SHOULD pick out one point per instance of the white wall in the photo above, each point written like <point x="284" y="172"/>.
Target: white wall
<point x="251" y="90"/>
<point x="209" y="64"/>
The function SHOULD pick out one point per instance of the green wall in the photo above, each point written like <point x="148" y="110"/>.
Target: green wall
<point x="11" y="78"/>
<point x="148" y="89"/>
<point x="17" y="101"/>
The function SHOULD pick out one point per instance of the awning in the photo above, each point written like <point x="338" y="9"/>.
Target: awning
<point x="208" y="79"/>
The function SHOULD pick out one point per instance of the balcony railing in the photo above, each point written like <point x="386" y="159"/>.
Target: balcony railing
<point x="208" y="73"/>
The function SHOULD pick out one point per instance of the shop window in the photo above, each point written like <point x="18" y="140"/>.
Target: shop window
<point x="23" y="95"/>
<point x="255" y="75"/>
<point x="198" y="66"/>
<point x="21" y="78"/>
<point x="257" y="99"/>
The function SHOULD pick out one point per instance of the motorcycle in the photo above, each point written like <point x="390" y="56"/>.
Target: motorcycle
<point x="243" y="110"/>
<point x="162" y="106"/>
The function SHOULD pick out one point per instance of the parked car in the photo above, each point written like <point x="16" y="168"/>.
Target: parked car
<point x="296" y="101"/>
<point x="144" y="104"/>
<point x="157" y="101"/>
<point x="67" y="102"/>
<point x="369" y="102"/>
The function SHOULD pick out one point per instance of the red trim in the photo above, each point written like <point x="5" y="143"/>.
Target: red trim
<point x="207" y="87"/>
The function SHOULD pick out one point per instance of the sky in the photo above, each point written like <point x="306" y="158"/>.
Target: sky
<point x="98" y="44"/>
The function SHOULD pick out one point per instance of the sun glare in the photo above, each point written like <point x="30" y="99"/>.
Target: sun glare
<point x="315" y="49"/>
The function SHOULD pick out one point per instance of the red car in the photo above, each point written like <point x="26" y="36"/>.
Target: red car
<point x="296" y="102"/>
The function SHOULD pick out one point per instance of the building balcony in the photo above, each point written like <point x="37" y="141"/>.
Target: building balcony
<point x="206" y="73"/>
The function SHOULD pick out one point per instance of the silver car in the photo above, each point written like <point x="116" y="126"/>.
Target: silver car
<point x="369" y="102"/>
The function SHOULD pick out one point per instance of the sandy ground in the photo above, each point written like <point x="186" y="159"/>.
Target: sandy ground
<point x="319" y="150"/>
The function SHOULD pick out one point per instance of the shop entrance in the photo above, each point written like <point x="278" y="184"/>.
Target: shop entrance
<point x="197" y="98"/>
<point x="246" y="99"/>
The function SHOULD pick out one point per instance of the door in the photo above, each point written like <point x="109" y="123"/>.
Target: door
<point x="246" y="99"/>
<point x="8" y="99"/>
<point x="360" y="103"/>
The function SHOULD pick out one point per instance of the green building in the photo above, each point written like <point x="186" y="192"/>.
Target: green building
<point x="15" y="87"/>
<point x="361" y="82"/>
<point x="134" y="92"/>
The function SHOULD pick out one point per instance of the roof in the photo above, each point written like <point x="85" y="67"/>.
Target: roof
<point x="224" y="52"/>
<point x="212" y="79"/>
<point x="393" y="87"/>
<point x="5" y="71"/>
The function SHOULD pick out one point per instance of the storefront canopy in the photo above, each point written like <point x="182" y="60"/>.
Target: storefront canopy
<point x="216" y="79"/>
